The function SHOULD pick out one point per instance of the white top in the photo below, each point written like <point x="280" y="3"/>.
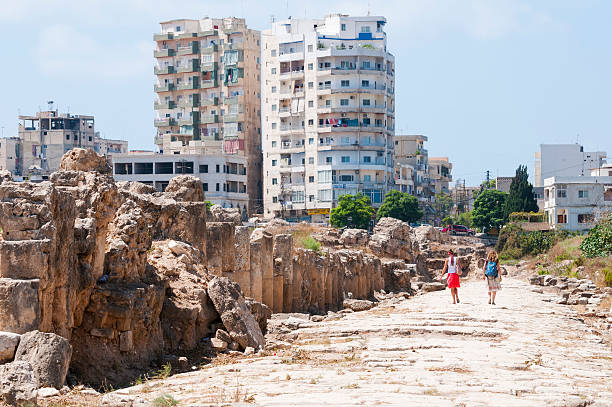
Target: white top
<point x="452" y="265"/>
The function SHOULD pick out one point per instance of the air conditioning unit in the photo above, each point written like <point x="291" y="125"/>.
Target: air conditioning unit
<point x="343" y="115"/>
<point x="356" y="171"/>
<point x="352" y="97"/>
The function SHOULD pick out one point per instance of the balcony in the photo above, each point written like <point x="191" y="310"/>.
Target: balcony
<point x="164" y="88"/>
<point x="168" y="121"/>
<point x="158" y="140"/>
<point x="233" y="100"/>
<point x="212" y="137"/>
<point x="209" y="66"/>
<point x="210" y="49"/>
<point x="189" y="85"/>
<point x="189" y="121"/>
<point x="233" y="47"/>
<point x="231" y="118"/>
<point x="209" y="83"/>
<point x="186" y="35"/>
<point x="164" y="53"/>
<point x="207" y="33"/>
<point x="192" y="66"/>
<point x="190" y="102"/>
<point x="194" y="48"/>
<point x="164" y="70"/>
<point x="165" y="105"/>
<point x="210" y="101"/>
<point x="163" y="37"/>
<point x="209" y="118"/>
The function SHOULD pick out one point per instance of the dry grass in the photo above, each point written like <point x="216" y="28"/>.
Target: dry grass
<point x="450" y="369"/>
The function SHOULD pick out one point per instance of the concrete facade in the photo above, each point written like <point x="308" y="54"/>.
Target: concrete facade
<point x="109" y="147"/>
<point x="440" y="174"/>
<point x="503" y="183"/>
<point x="328" y="109"/>
<point x="565" y="160"/>
<point x="575" y="203"/>
<point x="208" y="99"/>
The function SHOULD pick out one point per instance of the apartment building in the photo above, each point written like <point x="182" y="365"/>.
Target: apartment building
<point x="440" y="174"/>
<point x="328" y="110"/>
<point x="575" y="203"/>
<point x="109" y="147"/>
<point x="565" y="160"/>
<point x="208" y="103"/>
<point x="10" y="153"/>
<point x="410" y="152"/>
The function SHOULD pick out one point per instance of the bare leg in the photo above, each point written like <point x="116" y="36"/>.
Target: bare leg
<point x="493" y="297"/>
<point x="489" y="297"/>
<point x="453" y="294"/>
<point x="457" y="295"/>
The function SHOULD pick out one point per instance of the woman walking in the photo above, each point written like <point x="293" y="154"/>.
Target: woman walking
<point x="490" y="272"/>
<point x="452" y="270"/>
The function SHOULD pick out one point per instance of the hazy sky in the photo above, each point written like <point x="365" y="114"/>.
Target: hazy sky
<point x="486" y="80"/>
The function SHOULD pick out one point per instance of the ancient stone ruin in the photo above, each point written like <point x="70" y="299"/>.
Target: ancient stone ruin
<point x="109" y="277"/>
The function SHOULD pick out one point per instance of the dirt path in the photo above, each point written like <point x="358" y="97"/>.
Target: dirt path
<point x="421" y="351"/>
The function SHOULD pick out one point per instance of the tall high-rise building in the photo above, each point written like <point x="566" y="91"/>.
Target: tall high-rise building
<point x="208" y="107"/>
<point x="327" y="114"/>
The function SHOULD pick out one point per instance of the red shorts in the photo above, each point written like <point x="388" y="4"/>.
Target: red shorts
<point x="452" y="280"/>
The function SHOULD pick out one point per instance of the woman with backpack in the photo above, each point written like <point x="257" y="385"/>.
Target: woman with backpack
<point x="492" y="275"/>
<point x="453" y="269"/>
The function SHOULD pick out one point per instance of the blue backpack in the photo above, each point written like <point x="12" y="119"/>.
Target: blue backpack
<point x="491" y="269"/>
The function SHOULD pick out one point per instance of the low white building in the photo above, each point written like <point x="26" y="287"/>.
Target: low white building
<point x="223" y="177"/>
<point x="575" y="203"/>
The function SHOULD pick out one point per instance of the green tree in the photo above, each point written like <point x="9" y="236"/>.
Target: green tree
<point x="465" y="219"/>
<point x="442" y="205"/>
<point x="488" y="209"/>
<point x="520" y="198"/>
<point x="401" y="206"/>
<point x="353" y="211"/>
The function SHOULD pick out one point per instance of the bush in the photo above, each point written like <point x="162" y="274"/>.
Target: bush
<point x="354" y="211"/>
<point x="607" y="273"/>
<point x="311" y="244"/>
<point x="598" y="242"/>
<point x="514" y="242"/>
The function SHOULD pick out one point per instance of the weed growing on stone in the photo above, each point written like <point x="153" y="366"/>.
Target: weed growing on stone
<point x="165" y="400"/>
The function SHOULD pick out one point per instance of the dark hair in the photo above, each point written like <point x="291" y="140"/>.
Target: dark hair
<point x="451" y="252"/>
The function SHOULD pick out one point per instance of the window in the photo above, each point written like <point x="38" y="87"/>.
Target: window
<point x="345" y="83"/>
<point x="164" y="168"/>
<point x="310" y="122"/>
<point x="365" y="84"/>
<point x="273" y="126"/>
<point x="217" y="188"/>
<point x="274" y="199"/>
<point x="273" y="53"/>
<point x="325" y="195"/>
<point x="583" y="194"/>
<point x="297" y="196"/>
<point x="178" y="28"/>
<point x="328" y="103"/>
<point x="325" y="177"/>
<point x="561" y="193"/>
<point x="273" y="108"/>
<point x="365" y="29"/>
<point x="273" y="89"/>
<point x="311" y="178"/>
<point x="274" y="162"/>
<point x="218" y="169"/>
<point x="311" y="141"/>
<point x="310" y="48"/>
<point x="367" y="159"/>
<point x="273" y="71"/>
<point x="310" y="103"/>
<point x="311" y="198"/>
<point x="184" y="167"/>
<point x="344" y="102"/>
<point x="328" y="160"/>
<point x="274" y="144"/>
<point x="342" y="27"/>
<point x="204" y="169"/>
<point x="310" y="160"/>
<point x="345" y="159"/>
<point x="205" y="186"/>
<point x="366" y="102"/>
<point x="367" y="178"/>
<point x="310" y="67"/>
<point x="586" y="218"/>
<point x="143" y="168"/>
<point x="562" y="218"/>
<point x="274" y="181"/>
<point x="346" y="178"/>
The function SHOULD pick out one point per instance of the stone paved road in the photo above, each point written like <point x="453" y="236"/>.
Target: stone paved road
<point x="422" y="351"/>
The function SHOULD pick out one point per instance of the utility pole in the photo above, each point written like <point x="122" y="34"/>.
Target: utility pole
<point x="488" y="177"/>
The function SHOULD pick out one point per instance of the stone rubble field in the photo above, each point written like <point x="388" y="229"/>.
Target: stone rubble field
<point x="525" y="351"/>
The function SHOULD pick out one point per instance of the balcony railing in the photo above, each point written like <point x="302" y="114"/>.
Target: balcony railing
<point x="165" y="105"/>
<point x="192" y="66"/>
<point x="214" y="101"/>
<point x="164" y="88"/>
<point x="210" y="49"/>
<point x="193" y="48"/>
<point x="209" y="118"/>
<point x="189" y="121"/>
<point x="189" y="85"/>
<point x="233" y="100"/>
<point x="209" y="66"/>
<point x="230" y="118"/>
<point x="163" y="37"/>
<point x="190" y="102"/>
<point x="164" y="70"/>
<point x="165" y="122"/>
<point x="164" y="53"/>
<point x="209" y="83"/>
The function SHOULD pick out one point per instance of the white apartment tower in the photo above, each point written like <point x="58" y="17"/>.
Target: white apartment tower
<point x="327" y="114"/>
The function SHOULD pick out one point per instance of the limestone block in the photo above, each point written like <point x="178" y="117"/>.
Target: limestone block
<point x="24" y="259"/>
<point x="242" y="263"/>
<point x="126" y="341"/>
<point x="8" y="345"/>
<point x="80" y="159"/>
<point x="49" y="354"/>
<point x="19" y="305"/>
<point x="220" y="247"/>
<point x="18" y="383"/>
<point x="283" y="273"/>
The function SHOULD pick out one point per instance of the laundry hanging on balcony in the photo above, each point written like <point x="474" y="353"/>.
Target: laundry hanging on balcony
<point x="233" y="146"/>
